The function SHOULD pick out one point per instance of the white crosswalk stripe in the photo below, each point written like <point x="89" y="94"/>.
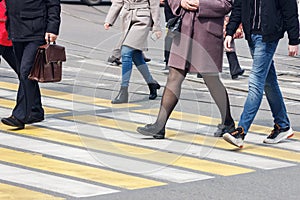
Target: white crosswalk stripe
<point x="57" y="103"/>
<point x="84" y="156"/>
<point x="52" y="183"/>
<point x="87" y="156"/>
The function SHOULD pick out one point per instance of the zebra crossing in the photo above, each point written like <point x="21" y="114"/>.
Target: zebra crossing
<point x="85" y="154"/>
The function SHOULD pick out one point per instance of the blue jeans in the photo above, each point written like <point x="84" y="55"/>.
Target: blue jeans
<point x="130" y="55"/>
<point x="263" y="78"/>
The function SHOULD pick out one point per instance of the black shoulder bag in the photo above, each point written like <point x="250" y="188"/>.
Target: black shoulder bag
<point x="174" y="25"/>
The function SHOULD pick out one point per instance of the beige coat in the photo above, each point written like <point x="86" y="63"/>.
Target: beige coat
<point x="138" y="17"/>
<point x="205" y="52"/>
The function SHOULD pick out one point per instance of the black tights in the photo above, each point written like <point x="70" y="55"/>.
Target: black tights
<point x="172" y="92"/>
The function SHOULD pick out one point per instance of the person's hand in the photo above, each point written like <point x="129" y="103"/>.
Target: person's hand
<point x="191" y="5"/>
<point x="238" y="34"/>
<point x="106" y="26"/>
<point x="227" y="43"/>
<point x="293" y="50"/>
<point x="158" y="34"/>
<point x="50" y="36"/>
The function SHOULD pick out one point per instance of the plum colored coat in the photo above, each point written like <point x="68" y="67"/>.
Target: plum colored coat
<point x="201" y="39"/>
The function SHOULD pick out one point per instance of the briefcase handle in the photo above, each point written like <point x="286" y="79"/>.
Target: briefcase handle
<point x="48" y="42"/>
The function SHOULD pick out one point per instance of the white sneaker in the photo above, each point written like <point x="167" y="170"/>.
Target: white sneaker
<point x="278" y="134"/>
<point x="236" y="137"/>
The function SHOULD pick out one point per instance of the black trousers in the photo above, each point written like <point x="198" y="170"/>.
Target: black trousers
<point x="234" y="65"/>
<point x="8" y="54"/>
<point x="28" y="97"/>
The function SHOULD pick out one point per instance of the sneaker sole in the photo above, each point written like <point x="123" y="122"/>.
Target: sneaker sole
<point x="227" y="138"/>
<point x="287" y="136"/>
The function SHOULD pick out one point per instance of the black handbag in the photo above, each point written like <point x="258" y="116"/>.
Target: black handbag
<point x="174" y="25"/>
<point x="47" y="66"/>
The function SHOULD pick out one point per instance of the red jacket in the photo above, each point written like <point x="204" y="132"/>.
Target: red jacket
<point x="3" y="32"/>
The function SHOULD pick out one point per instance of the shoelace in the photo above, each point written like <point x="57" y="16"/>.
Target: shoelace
<point x="237" y="131"/>
<point x="275" y="130"/>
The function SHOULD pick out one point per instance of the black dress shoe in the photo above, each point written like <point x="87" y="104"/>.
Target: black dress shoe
<point x="33" y="119"/>
<point x="112" y="60"/>
<point x="235" y="76"/>
<point x="147" y="59"/>
<point x="152" y="130"/>
<point x="12" y="121"/>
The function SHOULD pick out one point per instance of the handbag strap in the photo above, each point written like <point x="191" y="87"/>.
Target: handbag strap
<point x="183" y="13"/>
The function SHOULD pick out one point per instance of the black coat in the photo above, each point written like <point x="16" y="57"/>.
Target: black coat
<point x="168" y="12"/>
<point x="277" y="16"/>
<point x="29" y="20"/>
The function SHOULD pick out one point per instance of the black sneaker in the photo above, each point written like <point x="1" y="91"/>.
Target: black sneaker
<point x="278" y="134"/>
<point x="112" y="60"/>
<point x="235" y="137"/>
<point x="222" y="129"/>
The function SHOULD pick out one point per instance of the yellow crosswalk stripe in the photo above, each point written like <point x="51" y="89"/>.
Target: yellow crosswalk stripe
<point x="132" y="151"/>
<point x="103" y="176"/>
<point x="10" y="104"/>
<point x="210" y="121"/>
<point x="154" y="155"/>
<point x="193" y="138"/>
<point x="72" y="97"/>
<point x="14" y="192"/>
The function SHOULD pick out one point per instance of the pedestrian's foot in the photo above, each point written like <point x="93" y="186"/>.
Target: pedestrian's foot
<point x="278" y="134"/>
<point x="112" y="60"/>
<point x="12" y="121"/>
<point x="33" y="119"/>
<point x="235" y="137"/>
<point x="235" y="76"/>
<point x="153" y="87"/>
<point x="147" y="59"/>
<point x="165" y="70"/>
<point x="152" y="130"/>
<point x="222" y="129"/>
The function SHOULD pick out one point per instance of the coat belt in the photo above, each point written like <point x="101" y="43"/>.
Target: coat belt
<point x="136" y="5"/>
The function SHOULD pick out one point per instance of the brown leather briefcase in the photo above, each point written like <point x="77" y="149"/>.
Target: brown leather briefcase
<point x="47" y="66"/>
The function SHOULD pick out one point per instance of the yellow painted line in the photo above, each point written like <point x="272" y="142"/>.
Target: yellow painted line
<point x="72" y="97"/>
<point x="193" y="138"/>
<point x="13" y="192"/>
<point x="210" y="121"/>
<point x="131" y="151"/>
<point x="103" y="176"/>
<point x="150" y="154"/>
<point x="11" y="104"/>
